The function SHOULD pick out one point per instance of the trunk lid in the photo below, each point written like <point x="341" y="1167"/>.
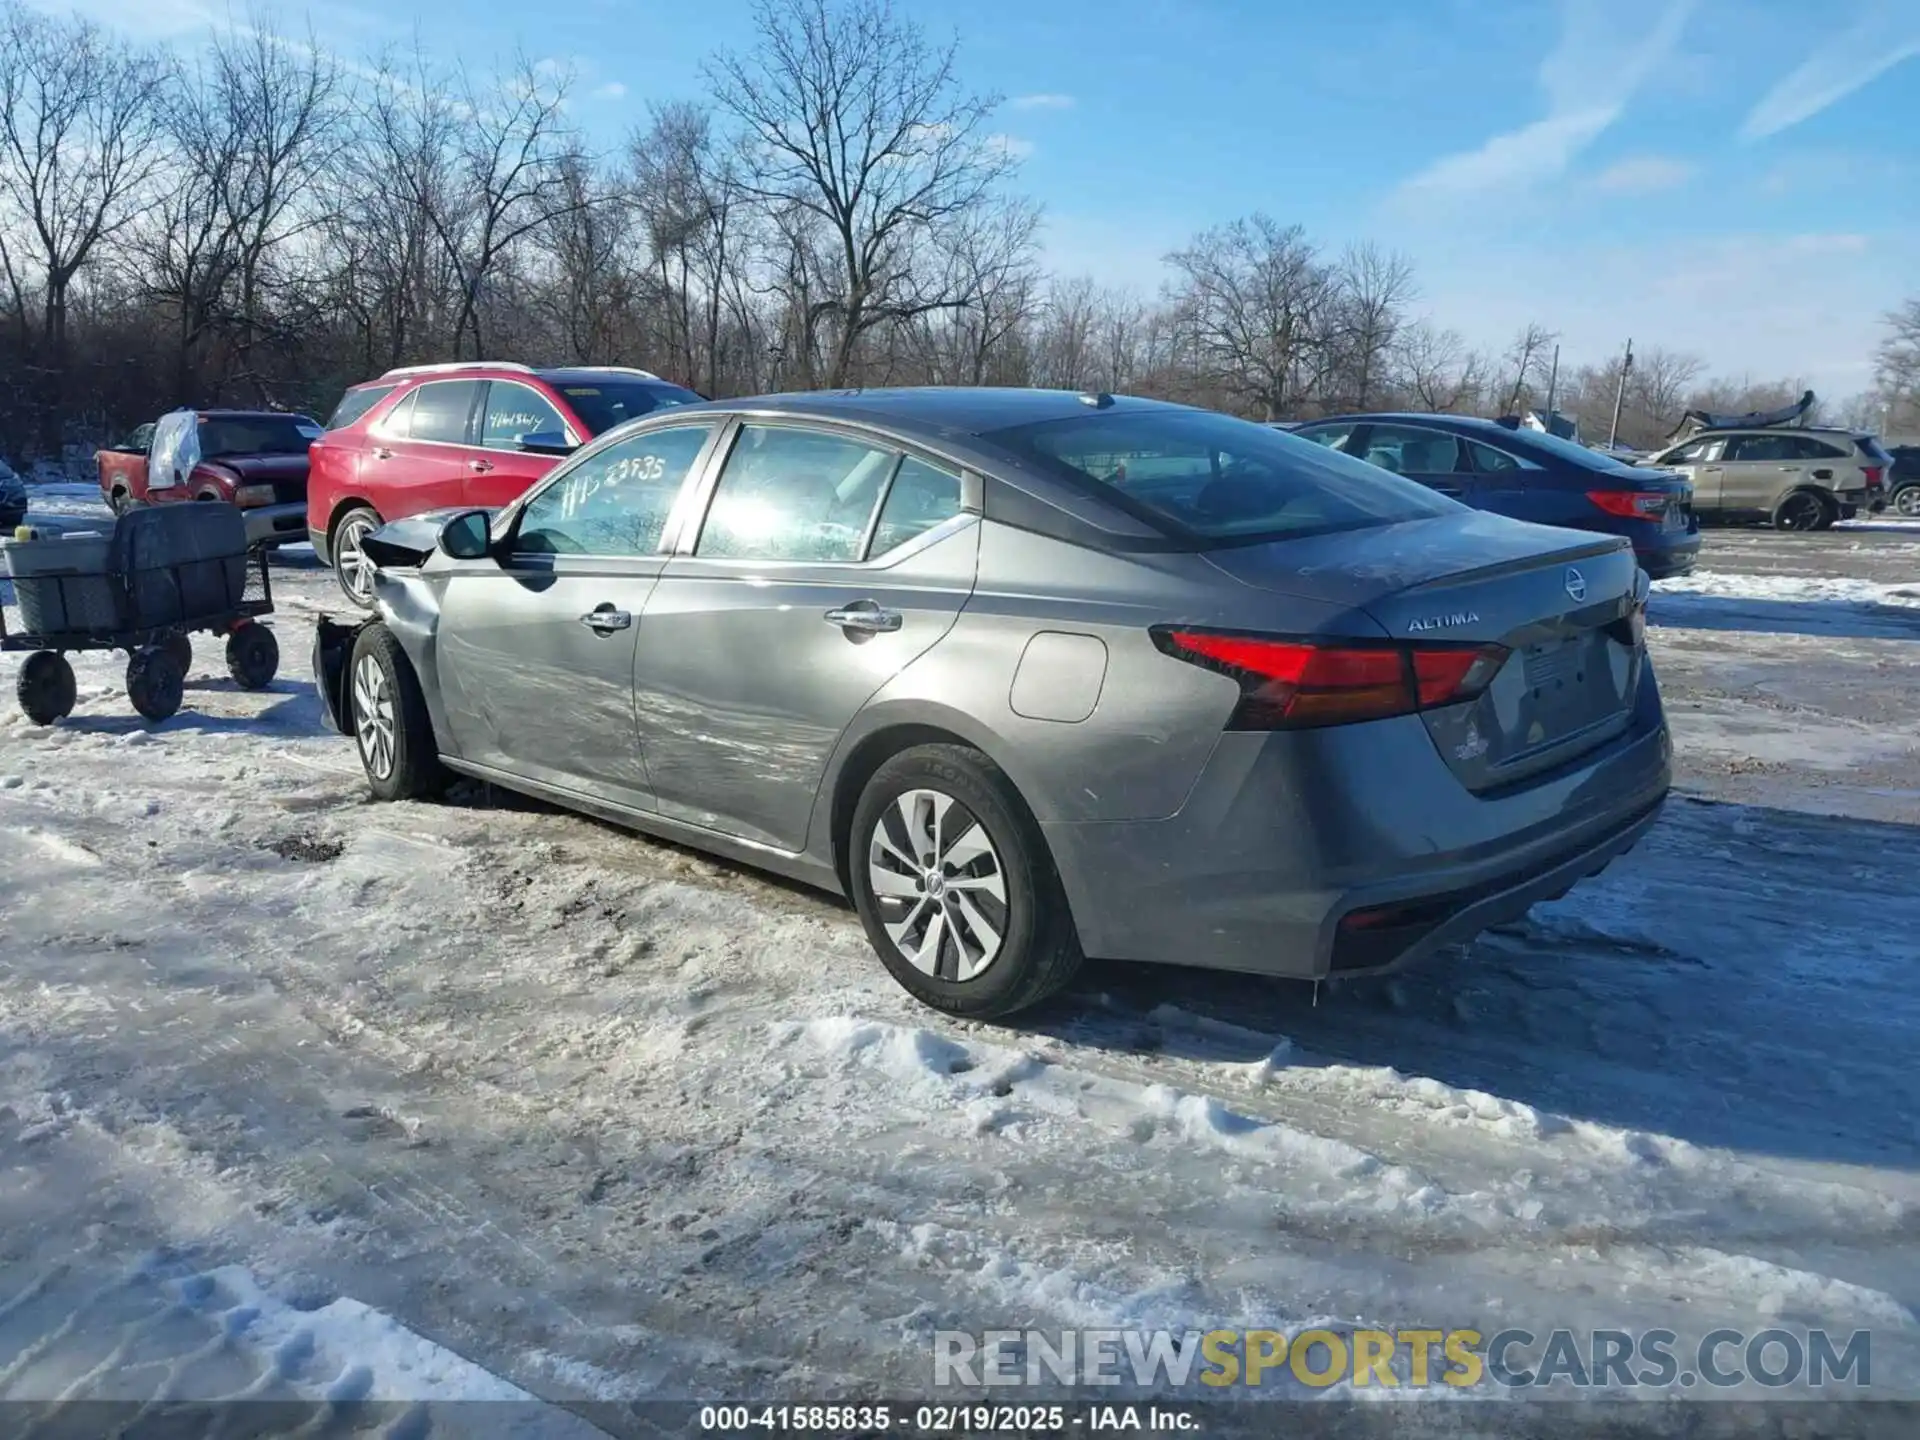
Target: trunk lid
<point x="1560" y="601"/>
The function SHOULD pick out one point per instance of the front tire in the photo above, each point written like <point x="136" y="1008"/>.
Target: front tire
<point x="155" y="682"/>
<point x="1906" y="501"/>
<point x="391" y="728"/>
<point x="955" y="887"/>
<point x="45" y="687"/>
<point x="351" y="568"/>
<point x="253" y="656"/>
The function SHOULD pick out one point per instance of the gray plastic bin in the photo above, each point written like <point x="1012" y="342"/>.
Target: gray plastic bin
<point x="63" y="583"/>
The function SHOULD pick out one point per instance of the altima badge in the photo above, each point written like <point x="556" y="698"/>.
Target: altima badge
<point x="1576" y="584"/>
<point x="1444" y="622"/>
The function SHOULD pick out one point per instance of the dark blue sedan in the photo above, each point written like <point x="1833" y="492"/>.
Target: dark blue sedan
<point x="1531" y="476"/>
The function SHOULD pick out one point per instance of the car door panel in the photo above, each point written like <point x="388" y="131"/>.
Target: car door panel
<point x="744" y="679"/>
<point x="534" y="687"/>
<point x="418" y="459"/>
<point x="751" y="666"/>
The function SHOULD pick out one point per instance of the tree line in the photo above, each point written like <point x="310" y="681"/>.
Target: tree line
<point x="264" y="223"/>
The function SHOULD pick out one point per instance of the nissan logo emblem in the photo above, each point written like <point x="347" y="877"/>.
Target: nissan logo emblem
<point x="1576" y="584"/>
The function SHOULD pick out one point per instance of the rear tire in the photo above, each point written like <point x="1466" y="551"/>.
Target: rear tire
<point x="1803" y="510"/>
<point x="955" y="887"/>
<point x="388" y="713"/>
<point x="253" y="656"/>
<point x="45" y="687"/>
<point x="155" y="683"/>
<point x="350" y="566"/>
<point x="181" y="649"/>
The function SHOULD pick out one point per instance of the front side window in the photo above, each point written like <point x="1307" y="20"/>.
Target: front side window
<point x="1334" y="437"/>
<point x="921" y="497"/>
<point x="442" y="409"/>
<point x="1216" y="477"/>
<point x="603" y="404"/>
<point x="789" y="494"/>
<point x="614" y="501"/>
<point x="515" y="411"/>
<point x="1412" y="450"/>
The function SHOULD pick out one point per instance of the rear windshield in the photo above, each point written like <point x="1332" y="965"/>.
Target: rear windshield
<point x="607" y="403"/>
<point x="1221" y="478"/>
<point x="1572" y="450"/>
<point x="256" y="435"/>
<point x="356" y="403"/>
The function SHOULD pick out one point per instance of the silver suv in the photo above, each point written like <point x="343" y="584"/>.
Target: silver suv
<point x="1798" y="478"/>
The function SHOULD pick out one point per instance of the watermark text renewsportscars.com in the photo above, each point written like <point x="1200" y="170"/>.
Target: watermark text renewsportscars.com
<point x="1458" y="1359"/>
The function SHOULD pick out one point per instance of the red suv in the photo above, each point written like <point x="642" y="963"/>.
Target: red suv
<point x="431" y="437"/>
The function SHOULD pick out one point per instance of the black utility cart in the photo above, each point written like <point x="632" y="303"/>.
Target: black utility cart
<point x="142" y="587"/>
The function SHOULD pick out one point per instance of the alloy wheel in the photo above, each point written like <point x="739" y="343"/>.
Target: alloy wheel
<point x="939" y="883"/>
<point x="373" y="718"/>
<point x="1800" y="512"/>
<point x="1907" y="501"/>
<point x="351" y="562"/>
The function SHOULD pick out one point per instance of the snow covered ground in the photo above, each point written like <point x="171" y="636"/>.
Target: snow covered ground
<point x="473" y="1099"/>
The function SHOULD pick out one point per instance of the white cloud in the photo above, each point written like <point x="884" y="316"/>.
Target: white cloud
<point x="612" y="90"/>
<point x="1644" y="175"/>
<point x="1605" y="55"/>
<point x="1884" y="34"/>
<point x="1042" y="102"/>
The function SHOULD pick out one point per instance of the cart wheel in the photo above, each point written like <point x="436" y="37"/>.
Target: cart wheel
<point x="45" y="687"/>
<point x="154" y="681"/>
<point x="253" y="656"/>
<point x="180" y="648"/>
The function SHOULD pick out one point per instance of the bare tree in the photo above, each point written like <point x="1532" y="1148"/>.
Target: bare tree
<point x="1251" y="297"/>
<point x="1372" y="291"/>
<point x="1896" y="374"/>
<point x="78" y="143"/>
<point x="1525" y="362"/>
<point x="862" y="139"/>
<point x="1438" y="370"/>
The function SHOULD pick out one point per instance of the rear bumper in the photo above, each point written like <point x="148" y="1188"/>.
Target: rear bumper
<point x="1664" y="553"/>
<point x="1286" y="835"/>
<point x="276" y="524"/>
<point x="318" y="539"/>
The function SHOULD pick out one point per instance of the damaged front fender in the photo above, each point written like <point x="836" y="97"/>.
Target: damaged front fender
<point x="333" y="643"/>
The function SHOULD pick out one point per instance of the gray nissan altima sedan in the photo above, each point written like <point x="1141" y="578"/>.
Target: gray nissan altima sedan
<point x="1031" y="676"/>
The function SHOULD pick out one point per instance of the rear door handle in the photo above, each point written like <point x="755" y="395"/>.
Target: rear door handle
<point x="606" y="619"/>
<point x="380" y="452"/>
<point x="480" y="467"/>
<point x="865" y="617"/>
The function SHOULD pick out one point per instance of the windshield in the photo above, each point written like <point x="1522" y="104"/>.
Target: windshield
<point x="1222" y="478"/>
<point x="1573" y="450"/>
<point x="607" y="403"/>
<point x="257" y="435"/>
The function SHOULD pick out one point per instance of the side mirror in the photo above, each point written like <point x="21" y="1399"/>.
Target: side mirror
<point x="546" y="442"/>
<point x="468" y="536"/>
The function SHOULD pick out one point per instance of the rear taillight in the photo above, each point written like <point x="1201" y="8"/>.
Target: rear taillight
<point x="1631" y="504"/>
<point x="1288" y="684"/>
<point x="1874" y="472"/>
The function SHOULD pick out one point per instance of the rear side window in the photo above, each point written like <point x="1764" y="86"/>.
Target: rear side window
<point x="921" y="497"/>
<point x="357" y="402"/>
<point x="602" y="405"/>
<point x="1764" y="447"/>
<point x="442" y="410"/>
<point x="1489" y="461"/>
<point x="1216" y="477"/>
<point x="794" y="495"/>
<point x="1412" y="450"/>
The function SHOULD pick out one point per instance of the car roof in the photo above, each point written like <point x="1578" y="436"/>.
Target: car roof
<point x="580" y="374"/>
<point x="934" y="409"/>
<point x="1466" y="424"/>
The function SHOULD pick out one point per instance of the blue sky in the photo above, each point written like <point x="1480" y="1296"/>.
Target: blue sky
<point x="1735" y="178"/>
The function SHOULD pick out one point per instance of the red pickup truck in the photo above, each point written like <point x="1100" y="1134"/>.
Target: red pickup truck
<point x="255" y="459"/>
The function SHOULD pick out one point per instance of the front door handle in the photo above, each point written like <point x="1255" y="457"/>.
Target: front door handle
<point x="480" y="467"/>
<point x="606" y="619"/>
<point x="865" y="617"/>
<point x="380" y="452"/>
